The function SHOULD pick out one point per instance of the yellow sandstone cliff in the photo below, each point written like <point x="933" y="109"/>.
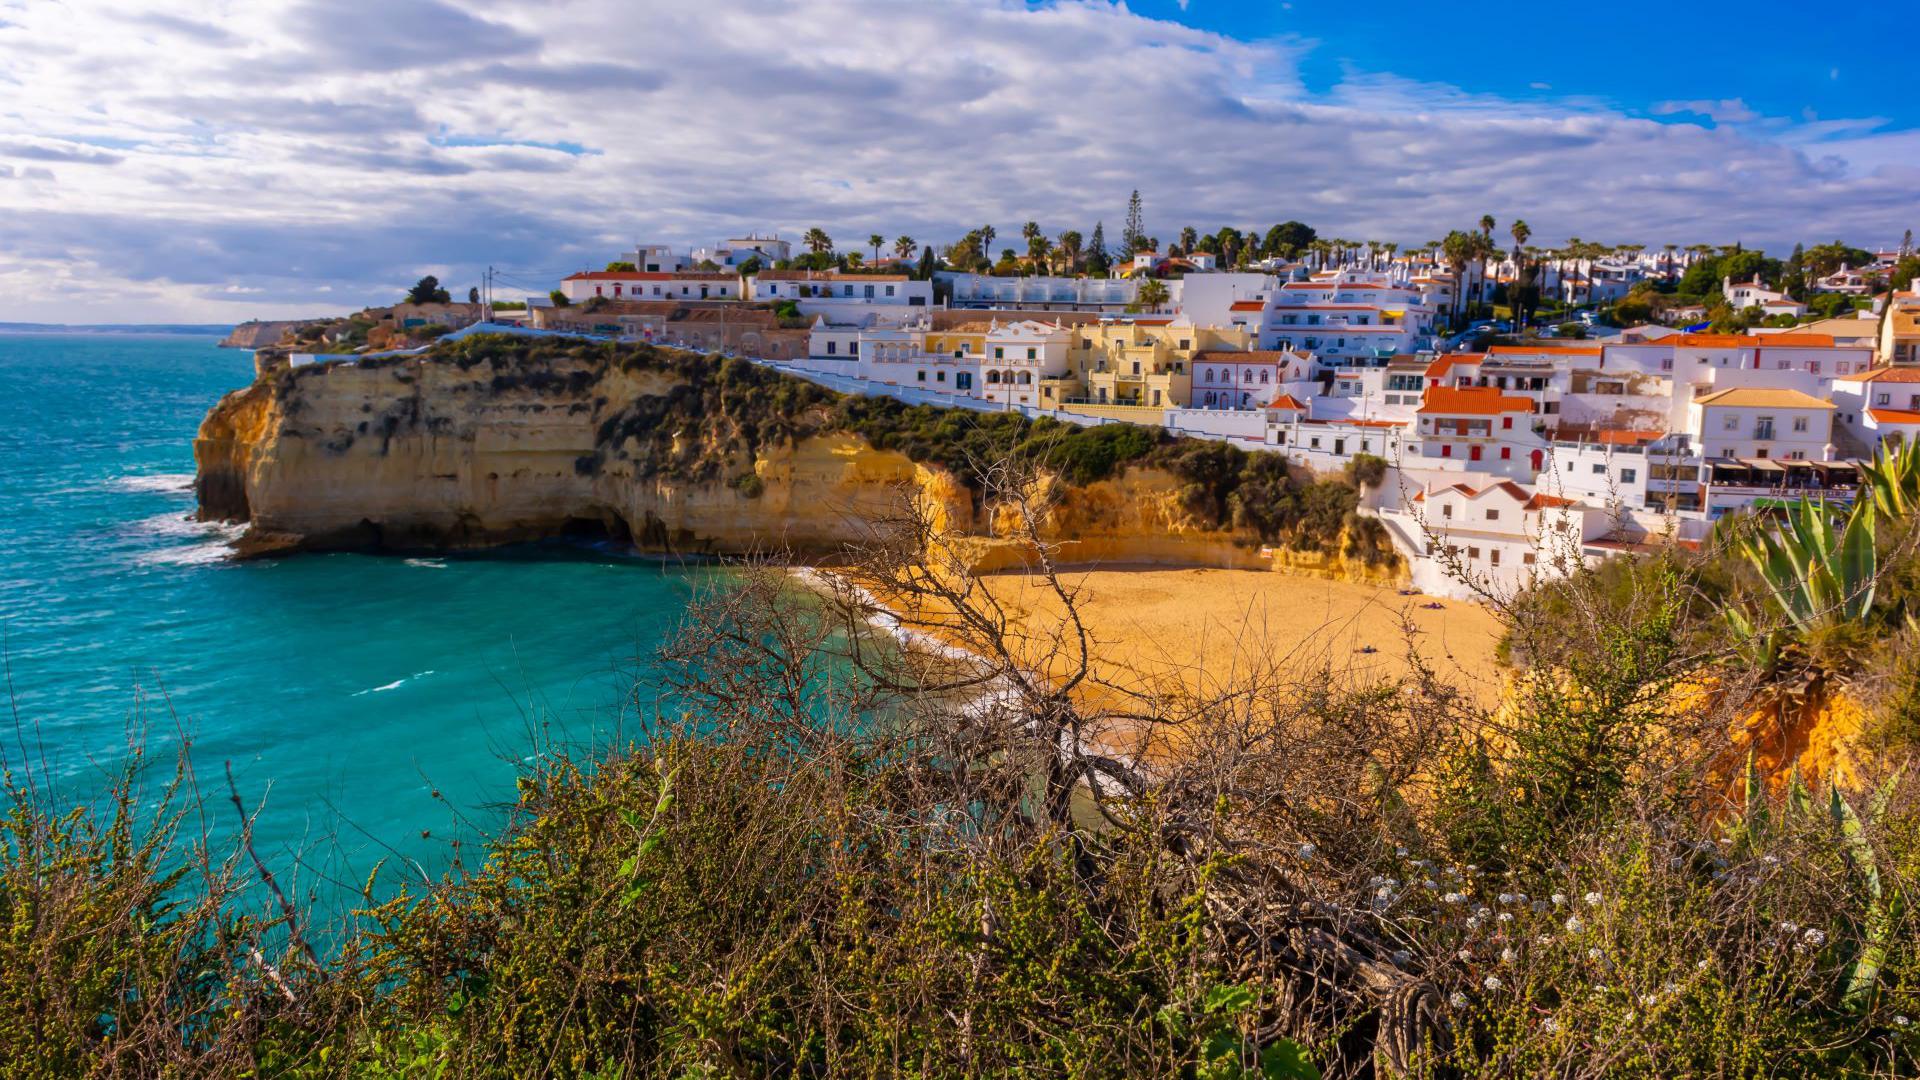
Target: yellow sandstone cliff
<point x="422" y="453"/>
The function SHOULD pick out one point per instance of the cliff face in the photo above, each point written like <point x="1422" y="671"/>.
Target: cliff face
<point x="654" y="447"/>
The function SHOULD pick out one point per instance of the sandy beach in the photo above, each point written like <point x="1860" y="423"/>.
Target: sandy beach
<point x="1200" y="629"/>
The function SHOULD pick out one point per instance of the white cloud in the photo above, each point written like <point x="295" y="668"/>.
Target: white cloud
<point x="350" y="145"/>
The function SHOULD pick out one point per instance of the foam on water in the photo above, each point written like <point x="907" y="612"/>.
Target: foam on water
<point x="158" y="483"/>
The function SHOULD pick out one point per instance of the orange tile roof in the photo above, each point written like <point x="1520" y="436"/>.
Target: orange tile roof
<point x="1895" y="416"/>
<point x="824" y="275"/>
<point x="1886" y="375"/>
<point x="1763" y="397"/>
<point x="1287" y="401"/>
<point x="1614" y="437"/>
<point x="1543" y="500"/>
<point x="1439" y="367"/>
<point x="1548" y="350"/>
<point x="1247" y="305"/>
<point x="1472" y="401"/>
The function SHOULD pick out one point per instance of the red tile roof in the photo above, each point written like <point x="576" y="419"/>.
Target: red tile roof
<point x="1895" y="416"/>
<point x="1548" y="350"/>
<point x="1886" y="375"/>
<point x="1248" y="305"/>
<point x="1287" y="401"/>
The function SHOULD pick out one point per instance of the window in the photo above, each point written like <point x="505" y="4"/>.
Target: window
<point x="1627" y="476"/>
<point x="1493" y="556"/>
<point x="1731" y="423"/>
<point x="939" y="376"/>
<point x="1506" y="422"/>
<point x="889" y="290"/>
<point x="1526" y="558"/>
<point x="1031" y="353"/>
<point x="1185" y="344"/>
<point x="1506" y="453"/>
<point x="1599" y="469"/>
<point x="1209" y="378"/>
<point x="921" y="375"/>
<point x="1473" y="552"/>
<point x="1446" y="510"/>
<point x="1882" y="399"/>
<point x="1446" y="450"/>
<point x="1799" y="423"/>
<point x="1493" y="513"/>
<point x="999" y="352"/>
<point x="832" y="347"/>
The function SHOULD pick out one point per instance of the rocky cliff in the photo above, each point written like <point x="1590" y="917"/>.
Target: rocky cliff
<point x="496" y="440"/>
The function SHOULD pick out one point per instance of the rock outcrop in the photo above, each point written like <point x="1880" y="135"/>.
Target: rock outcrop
<point x="671" y="451"/>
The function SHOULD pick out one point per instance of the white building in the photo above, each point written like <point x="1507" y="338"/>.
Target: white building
<point x="658" y="259"/>
<point x="1879" y="405"/>
<point x="1762" y="422"/>
<point x="1243" y="380"/>
<point x="1017" y="355"/>
<point x="1753" y="293"/>
<point x="1479" y="429"/>
<point x="732" y="253"/>
<point x="1495" y="538"/>
<point x="642" y="285"/>
<point x="840" y="296"/>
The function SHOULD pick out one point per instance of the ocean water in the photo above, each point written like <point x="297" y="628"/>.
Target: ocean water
<point x="345" y="690"/>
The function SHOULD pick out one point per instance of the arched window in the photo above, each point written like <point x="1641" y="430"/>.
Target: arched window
<point x="1026" y="378"/>
<point x="1209" y="379"/>
<point x="1248" y="377"/>
<point x="993" y="376"/>
<point x="1265" y="376"/>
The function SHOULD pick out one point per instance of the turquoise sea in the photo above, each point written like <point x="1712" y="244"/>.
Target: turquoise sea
<point x="344" y="689"/>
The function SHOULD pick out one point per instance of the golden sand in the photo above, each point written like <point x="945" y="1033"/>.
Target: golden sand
<point x="1204" y="629"/>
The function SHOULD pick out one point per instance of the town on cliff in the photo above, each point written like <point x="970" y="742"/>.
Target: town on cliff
<point x="1495" y="400"/>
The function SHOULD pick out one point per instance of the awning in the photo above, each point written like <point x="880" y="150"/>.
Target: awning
<point x="1764" y="465"/>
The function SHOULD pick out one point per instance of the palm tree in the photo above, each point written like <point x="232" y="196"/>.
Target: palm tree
<point x="1071" y="245"/>
<point x="1188" y="238"/>
<point x="855" y="260"/>
<point x="903" y="247"/>
<point x="1039" y="249"/>
<point x="1459" y="250"/>
<point x="1152" y="294"/>
<point x="1486" y="225"/>
<point x="986" y="240"/>
<point x="1666" y="261"/>
<point x="874" y="241"/>
<point x="817" y="240"/>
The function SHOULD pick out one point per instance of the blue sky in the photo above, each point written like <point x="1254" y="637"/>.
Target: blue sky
<point x="307" y="156"/>
<point x="1790" y="61"/>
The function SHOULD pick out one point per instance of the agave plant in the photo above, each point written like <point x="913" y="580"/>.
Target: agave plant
<point x="1892" y="480"/>
<point x="1817" y="569"/>
<point x="1878" y="903"/>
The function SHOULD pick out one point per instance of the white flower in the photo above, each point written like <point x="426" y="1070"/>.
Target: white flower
<point x="1473" y="922"/>
<point x="1789" y="928"/>
<point x="1508" y="956"/>
<point x="1506" y="916"/>
<point x="1596" y="955"/>
<point x="1770" y="860"/>
<point x="1813" y="937"/>
<point x="1454" y="898"/>
<point x="1703" y="965"/>
<point x="1506" y="898"/>
<point x="1559" y="898"/>
<point x="1483" y="911"/>
<point x="1384" y="891"/>
<point x="1593" y="899"/>
<point x="1306" y="851"/>
<point x="1901" y="1021"/>
<point x="1458" y="1000"/>
<point x="1429" y="884"/>
<point x="1491" y="982"/>
<point x="1550" y="1026"/>
<point x="1464" y="955"/>
<point x="1676" y="862"/>
<point x="1574" y="925"/>
<point x="1544" y="939"/>
<point x="1400" y="852"/>
<point x="1648" y="1000"/>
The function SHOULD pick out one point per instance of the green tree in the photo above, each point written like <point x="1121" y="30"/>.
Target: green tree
<point x="1097" y="262"/>
<point x="1071" y="246"/>
<point x="559" y="299"/>
<point x="1152" y="294"/>
<point x="428" y="291"/>
<point x="1288" y="239"/>
<point x="1133" y="236"/>
<point x="621" y="266"/>
<point x="817" y="241"/>
<point x="903" y="246"/>
<point x="473" y="295"/>
<point x="874" y="240"/>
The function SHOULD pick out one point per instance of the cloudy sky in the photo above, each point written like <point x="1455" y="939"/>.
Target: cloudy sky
<point x="213" y="160"/>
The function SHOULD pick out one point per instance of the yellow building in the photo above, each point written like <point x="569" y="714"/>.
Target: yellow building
<point x="1900" y="330"/>
<point x="1146" y="362"/>
<point x="959" y="341"/>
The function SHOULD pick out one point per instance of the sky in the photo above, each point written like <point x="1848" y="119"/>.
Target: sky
<point x="217" y="160"/>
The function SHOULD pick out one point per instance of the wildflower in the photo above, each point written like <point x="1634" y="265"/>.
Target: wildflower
<point x="1400" y="852"/>
<point x="1306" y="851"/>
<point x="1429" y="884"/>
<point x="1593" y="899"/>
<point x="1550" y="1026"/>
<point x="1506" y="916"/>
<point x="1483" y="911"/>
<point x="1559" y="898"/>
<point x="1453" y="871"/>
<point x="1648" y="1000"/>
<point x="1789" y="928"/>
<point x="1596" y="955"/>
<point x="1464" y="955"/>
<point x="1770" y="860"/>
<point x="1473" y="922"/>
<point x="1574" y="925"/>
<point x="1492" y="982"/>
<point x="1453" y="898"/>
<point x="1383" y="891"/>
<point x="1901" y="1021"/>
<point x="1815" y="938"/>
<point x="1703" y="965"/>
<point x="1539" y="906"/>
<point x="1508" y="956"/>
<point x="1544" y="939"/>
<point x="1401" y="958"/>
<point x="1506" y="898"/>
<point x="1676" y="862"/>
<point x="1458" y="1000"/>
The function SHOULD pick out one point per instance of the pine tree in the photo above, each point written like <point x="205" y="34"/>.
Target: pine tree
<point x="1134" y="237"/>
<point x="1097" y="263"/>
